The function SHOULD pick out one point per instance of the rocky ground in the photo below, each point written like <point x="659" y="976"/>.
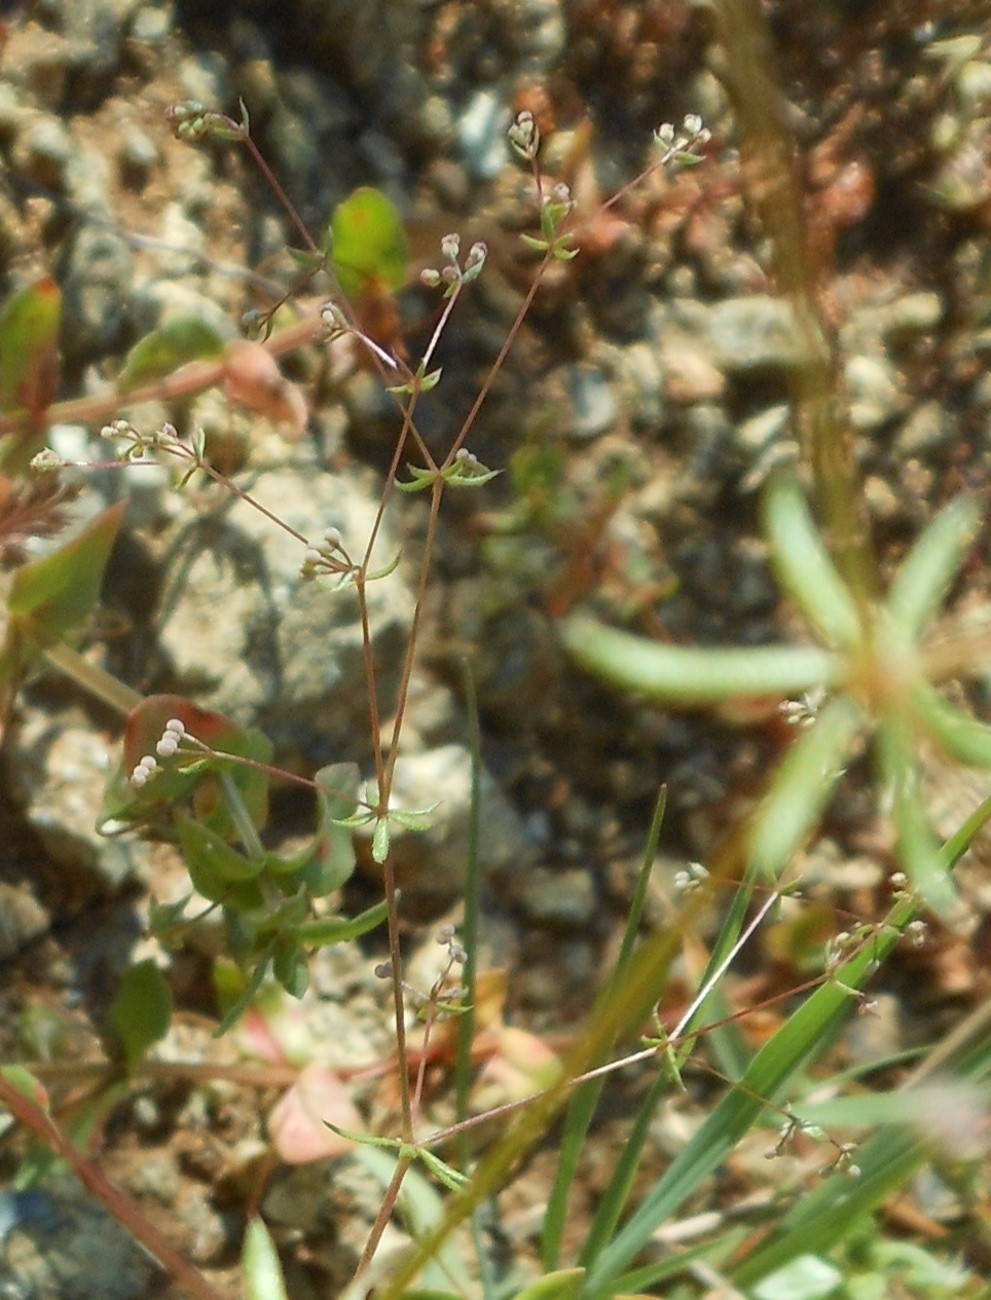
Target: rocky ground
<point x="637" y="416"/>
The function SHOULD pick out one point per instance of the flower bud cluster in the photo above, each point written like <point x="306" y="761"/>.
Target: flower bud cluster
<point x="454" y="273"/>
<point x="166" y="747"/>
<point x="690" y="879"/>
<point x="190" y="120"/>
<point x="524" y="136"/>
<point x="445" y="937"/>
<point x="803" y="711"/>
<point x="680" y="143"/>
<point x="329" y="556"/>
<point x="136" y="444"/>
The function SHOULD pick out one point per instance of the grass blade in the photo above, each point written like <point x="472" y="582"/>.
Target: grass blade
<point x="584" y="1100"/>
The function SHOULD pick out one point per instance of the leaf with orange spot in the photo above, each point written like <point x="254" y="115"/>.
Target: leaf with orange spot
<point x="29" y="326"/>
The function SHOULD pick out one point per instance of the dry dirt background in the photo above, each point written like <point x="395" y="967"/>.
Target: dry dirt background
<point x="638" y="414"/>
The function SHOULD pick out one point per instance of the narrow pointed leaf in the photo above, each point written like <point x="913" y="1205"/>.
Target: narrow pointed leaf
<point x="693" y="676"/>
<point x="263" y="1277"/>
<point x="928" y="569"/>
<point x="960" y="735"/>
<point x="918" y="851"/>
<point x="802" y="786"/>
<point x="802" y="564"/>
<point x="52" y="596"/>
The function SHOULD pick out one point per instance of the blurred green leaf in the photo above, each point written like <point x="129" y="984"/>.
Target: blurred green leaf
<point x="802" y="786"/>
<point x="367" y="243"/>
<point x="692" y="676"/>
<point x="566" y="1284"/>
<point x="183" y="339"/>
<point x="29" y="326"/>
<point x="140" y="1014"/>
<point x="52" y="596"/>
<point x="923" y="576"/>
<point x="803" y="566"/>
<point x="260" y="1261"/>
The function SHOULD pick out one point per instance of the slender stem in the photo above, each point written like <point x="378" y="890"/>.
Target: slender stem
<point x="497" y="365"/>
<point x="384" y="1214"/>
<point x="100" y="684"/>
<point x="774" y="185"/>
<point x="117" y="1203"/>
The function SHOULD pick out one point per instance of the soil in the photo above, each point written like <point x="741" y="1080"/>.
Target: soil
<point x="648" y="515"/>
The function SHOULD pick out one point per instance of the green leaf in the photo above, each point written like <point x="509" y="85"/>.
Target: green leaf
<point x="565" y="1284"/>
<point x="333" y="853"/>
<point x="234" y="993"/>
<point x="803" y="566"/>
<point x="140" y="1014"/>
<point x="380" y="840"/>
<point x="260" y="1261"/>
<point x="181" y="340"/>
<point x="211" y="862"/>
<point x="802" y="786"/>
<point x="51" y="596"/>
<point x="29" y="326"/>
<point x="413" y="819"/>
<point x="807" y="1276"/>
<point x="335" y="929"/>
<point x="689" y="676"/>
<point x="917" y="849"/>
<point x="367" y="243"/>
<point x="960" y="735"/>
<point x="289" y="966"/>
<point x="926" y="572"/>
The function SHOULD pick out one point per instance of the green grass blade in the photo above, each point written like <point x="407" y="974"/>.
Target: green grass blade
<point x="469" y="941"/>
<point x="803" y="1037"/>
<point x="796" y="1044"/>
<point x="691" y="676"/>
<point x="584" y="1100"/>
<point x="803" y="567"/>
<point x="886" y="1161"/>
<point x="613" y="1201"/>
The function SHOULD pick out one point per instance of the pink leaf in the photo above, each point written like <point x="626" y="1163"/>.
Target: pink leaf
<point x="296" y="1124"/>
<point x="253" y="379"/>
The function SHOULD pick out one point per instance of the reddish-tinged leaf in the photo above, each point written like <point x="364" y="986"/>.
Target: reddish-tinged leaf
<point x="29" y="325"/>
<point x="53" y="595"/>
<point x="252" y="379"/>
<point x="367" y="243"/>
<point x="296" y="1124"/>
